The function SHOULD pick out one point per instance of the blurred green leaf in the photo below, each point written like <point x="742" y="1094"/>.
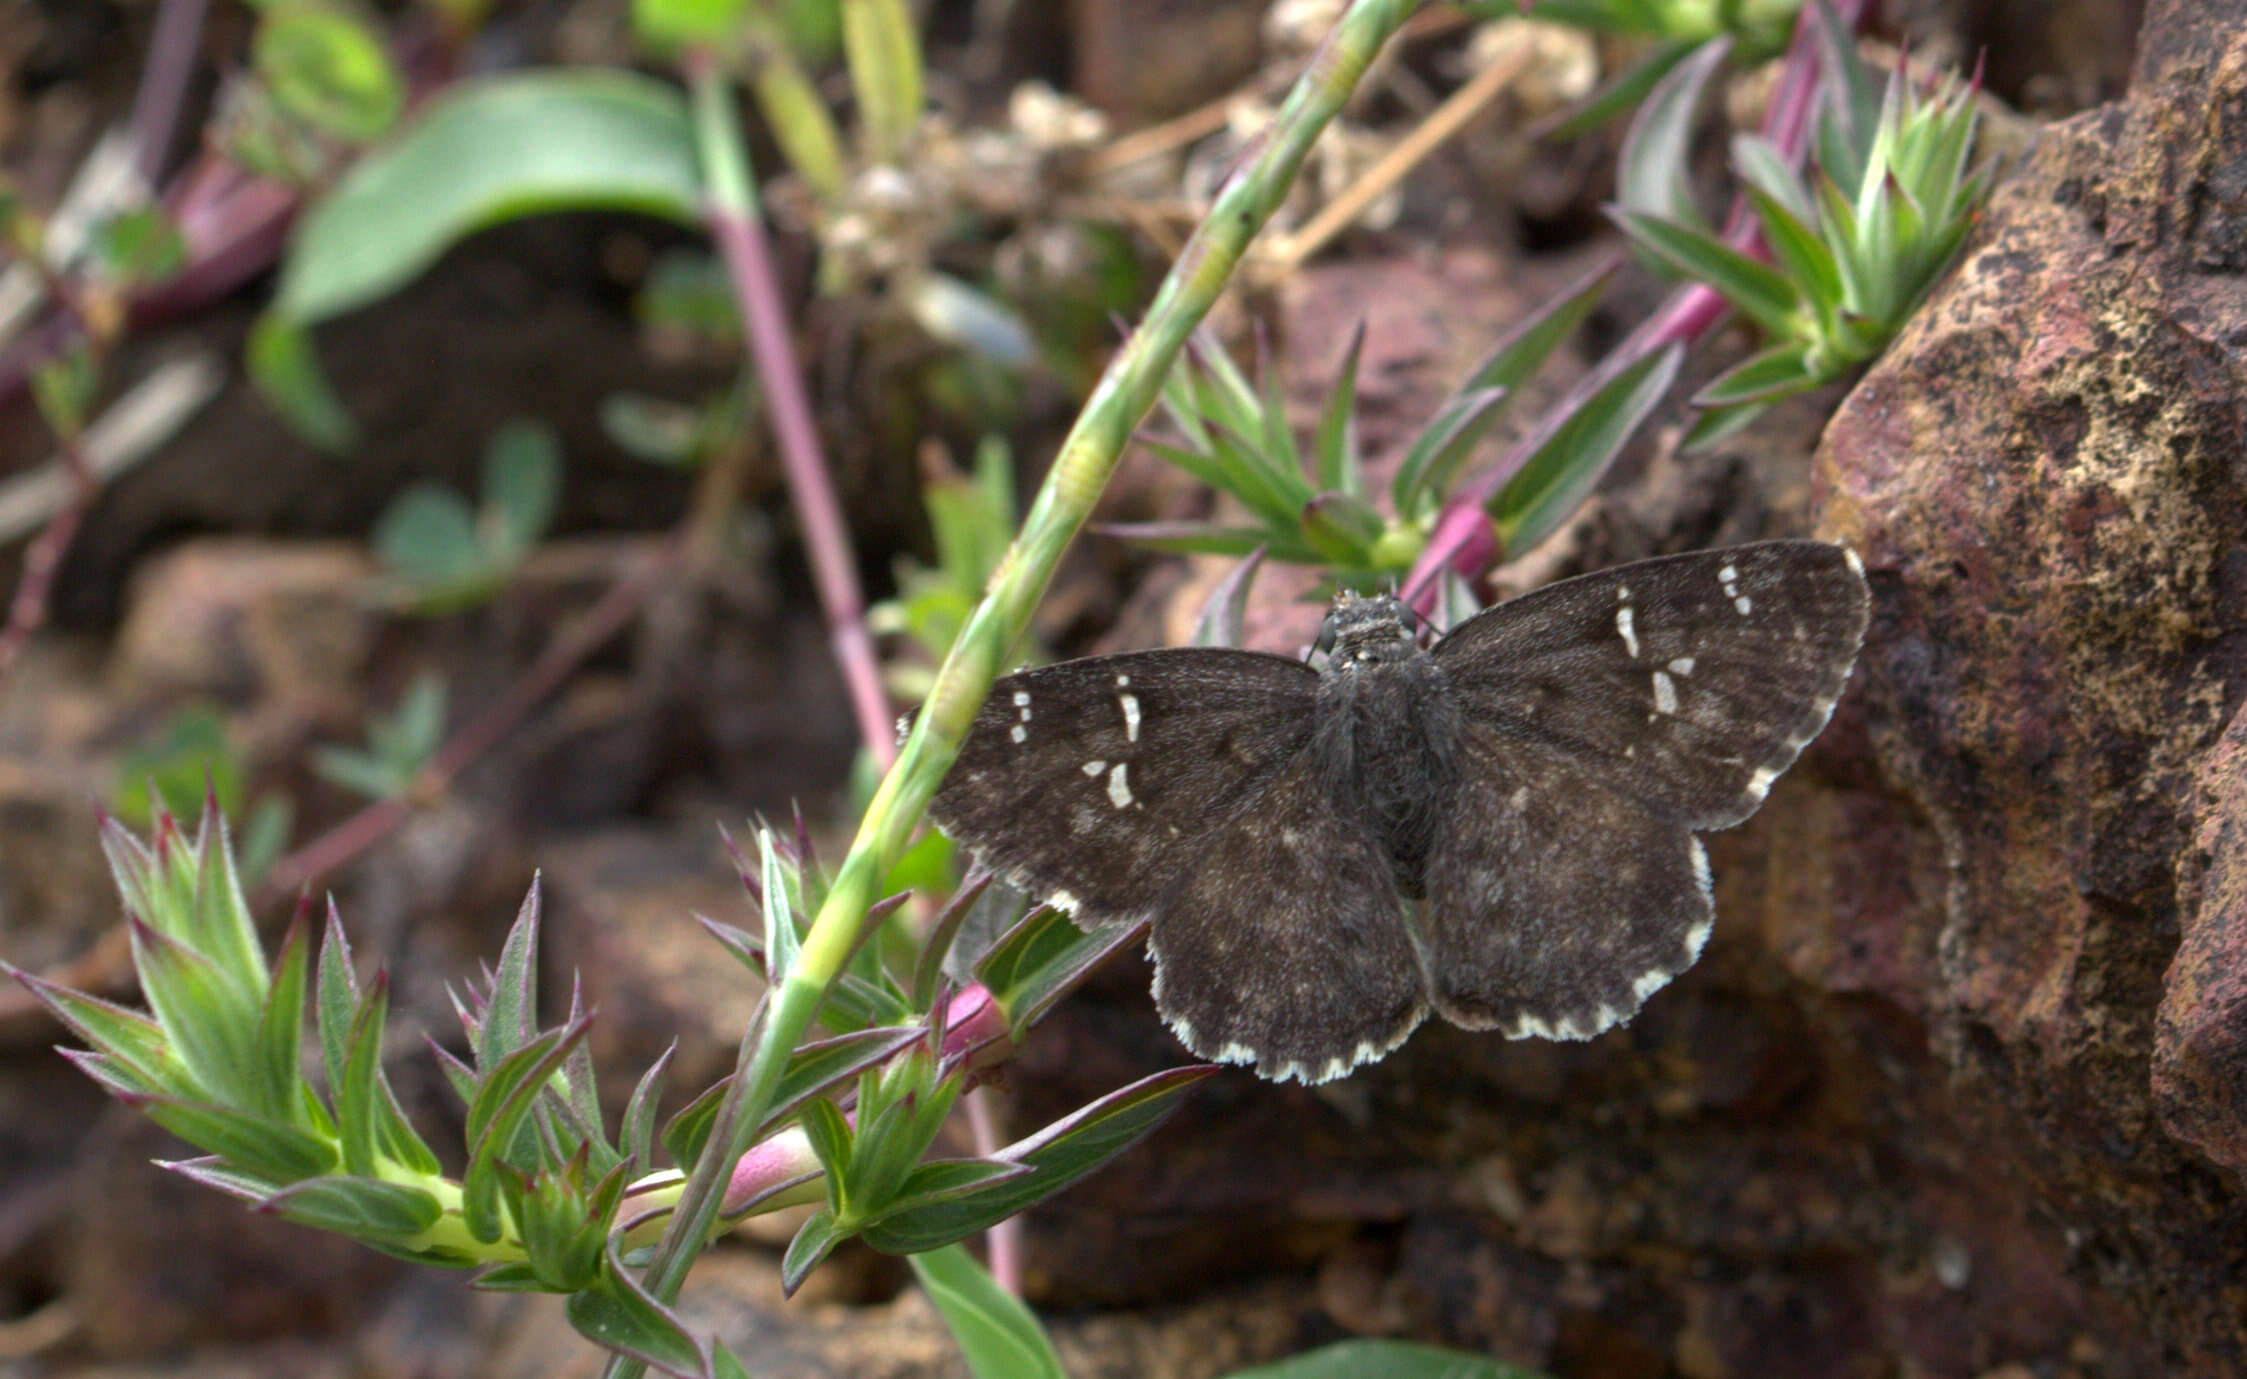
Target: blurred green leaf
<point x="64" y="387"/>
<point x="193" y="749"/>
<point x="1757" y="289"/>
<point x="139" y="247"/>
<point x="884" y="53"/>
<point x="324" y="67"/>
<point x="287" y="374"/>
<point x="1388" y="1360"/>
<point x="998" y="1335"/>
<point x="486" y="152"/>
<point x="522" y="486"/>
<point x="428" y="537"/>
<point x="1653" y="174"/>
<point x="667" y="24"/>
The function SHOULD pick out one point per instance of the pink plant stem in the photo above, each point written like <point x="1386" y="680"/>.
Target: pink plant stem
<point x="741" y="240"/>
<point x="27" y="611"/>
<point x="1003" y="1242"/>
<point x="163" y="83"/>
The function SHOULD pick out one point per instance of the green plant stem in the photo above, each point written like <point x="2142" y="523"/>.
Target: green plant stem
<point x="731" y="211"/>
<point x="1088" y="456"/>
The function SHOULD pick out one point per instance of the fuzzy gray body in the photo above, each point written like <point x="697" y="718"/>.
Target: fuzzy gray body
<point x="1388" y="732"/>
<point x="1500" y="830"/>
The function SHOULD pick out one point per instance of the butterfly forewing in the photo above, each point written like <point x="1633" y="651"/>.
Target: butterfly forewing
<point x="1688" y="682"/>
<point x="1098" y="783"/>
<point x="1566" y="906"/>
<point x="1240" y="976"/>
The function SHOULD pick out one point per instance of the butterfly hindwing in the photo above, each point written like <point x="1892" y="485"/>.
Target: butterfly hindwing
<point x="1687" y="681"/>
<point x="1565" y="906"/>
<point x="1098" y="783"/>
<point x="1289" y="949"/>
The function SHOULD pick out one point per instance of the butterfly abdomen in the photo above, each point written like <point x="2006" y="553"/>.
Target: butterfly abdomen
<point x="1388" y="740"/>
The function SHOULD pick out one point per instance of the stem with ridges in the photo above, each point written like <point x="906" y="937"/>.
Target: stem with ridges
<point x="1088" y="456"/>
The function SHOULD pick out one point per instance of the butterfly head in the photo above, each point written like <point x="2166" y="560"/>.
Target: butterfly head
<point x="1363" y="629"/>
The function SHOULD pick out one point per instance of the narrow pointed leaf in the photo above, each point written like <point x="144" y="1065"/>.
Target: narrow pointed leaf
<point x="254" y="1144"/>
<point x="1765" y="377"/>
<point x="1201" y="538"/>
<point x="1440" y="448"/>
<point x="1620" y="95"/>
<point x="337" y="992"/>
<point x="356" y="1207"/>
<point x="211" y="1029"/>
<point x="1028" y="970"/>
<point x="636" y="1132"/>
<point x="1062" y="1154"/>
<point x="131" y="1038"/>
<point x="816" y="1067"/>
<point x="1340" y="528"/>
<point x="1223" y="617"/>
<point x="1801" y="256"/>
<point x="511" y="1019"/>
<point x="617" y="1314"/>
<point x="813" y="1242"/>
<point x="1337" y="442"/>
<point x="1755" y="288"/>
<point x="928" y="968"/>
<point x="1559" y="473"/>
<point x="1650" y="178"/>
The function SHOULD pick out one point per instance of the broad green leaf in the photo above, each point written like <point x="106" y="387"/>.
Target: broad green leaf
<point x="1062" y="1153"/>
<point x="326" y="68"/>
<point x="490" y="151"/>
<point x="998" y="1335"/>
<point x="1388" y="1360"/>
<point x="357" y="1207"/>
<point x="1558" y="474"/>
<point x="139" y="247"/>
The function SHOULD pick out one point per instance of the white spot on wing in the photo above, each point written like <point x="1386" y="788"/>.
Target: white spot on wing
<point x="1745" y="604"/>
<point x="1728" y="574"/>
<point x="1119" y="789"/>
<point x="1760" y="782"/>
<point x="1665" y="692"/>
<point x="1123" y="682"/>
<point x="1854" y="563"/>
<point x="1683" y="665"/>
<point x="1626" y="624"/>
<point x="1018" y="733"/>
<point x="1094" y="767"/>
<point x="1063" y="900"/>
<point x="1022" y="699"/>
<point x="1520" y="800"/>
<point x="1701" y="879"/>
<point x="1130" y="705"/>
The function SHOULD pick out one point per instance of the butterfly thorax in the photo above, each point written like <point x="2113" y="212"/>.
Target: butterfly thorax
<point x="1388" y="729"/>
